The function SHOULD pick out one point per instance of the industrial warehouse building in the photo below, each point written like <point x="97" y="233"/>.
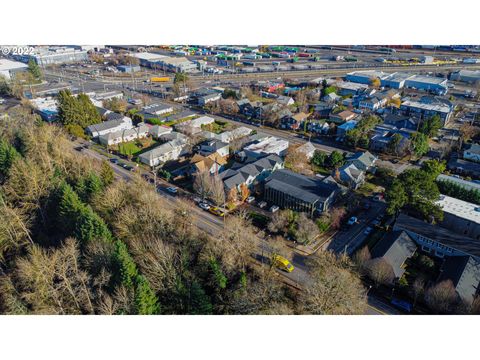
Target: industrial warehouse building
<point x="54" y="55"/>
<point x="400" y="80"/>
<point x="298" y="192"/>
<point x="424" y="110"/>
<point x="469" y="76"/>
<point x="460" y="216"/>
<point x="9" y="68"/>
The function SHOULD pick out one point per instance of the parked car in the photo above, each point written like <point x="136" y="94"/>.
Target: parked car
<point x="274" y="208"/>
<point x="282" y="263"/>
<point x="172" y="190"/>
<point x="262" y="204"/>
<point x="404" y="305"/>
<point x="368" y="230"/>
<point x="216" y="211"/>
<point x="129" y="168"/>
<point x="250" y="199"/>
<point x="204" y="206"/>
<point x="352" y="220"/>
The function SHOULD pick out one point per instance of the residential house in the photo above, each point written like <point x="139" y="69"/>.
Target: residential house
<point x="213" y="163"/>
<point x="472" y="153"/>
<point x="251" y="173"/>
<point x="171" y="150"/>
<point x="293" y="122"/>
<point x="400" y="121"/>
<point x="156" y="109"/>
<point x="208" y="98"/>
<point x="349" y="175"/>
<point x="318" y="126"/>
<point x="464" y="167"/>
<point x="109" y="126"/>
<point x="228" y="136"/>
<point x="395" y="248"/>
<point x="383" y="135"/>
<point x="437" y="240"/>
<point x="265" y="146"/>
<point x="331" y="98"/>
<point x="297" y="192"/>
<point x="194" y="126"/>
<point x="464" y="273"/>
<point x="213" y="146"/>
<point x="323" y="109"/>
<point x="343" y="116"/>
<point x="285" y="100"/>
<point x="364" y="161"/>
<point x="113" y="138"/>
<point x="343" y="128"/>
<point x="157" y="130"/>
<point x="308" y="149"/>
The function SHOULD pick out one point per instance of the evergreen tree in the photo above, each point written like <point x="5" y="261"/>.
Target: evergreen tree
<point x="107" y="175"/>
<point x="8" y="154"/>
<point x="34" y="69"/>
<point x="146" y="302"/>
<point x="127" y="269"/>
<point x="199" y="303"/>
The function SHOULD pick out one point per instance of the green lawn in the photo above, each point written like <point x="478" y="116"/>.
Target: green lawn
<point x="129" y="148"/>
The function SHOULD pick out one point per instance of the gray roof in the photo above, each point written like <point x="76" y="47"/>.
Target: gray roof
<point x="113" y="116"/>
<point x="464" y="272"/>
<point x="468" y="185"/>
<point x="438" y="234"/>
<point x="153" y="108"/>
<point x="104" y="125"/>
<point x="239" y="173"/>
<point x="305" y="188"/>
<point x="214" y="144"/>
<point x="365" y="157"/>
<point x="395" y="247"/>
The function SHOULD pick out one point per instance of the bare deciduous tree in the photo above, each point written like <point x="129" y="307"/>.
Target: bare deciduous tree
<point x="441" y="297"/>
<point x="307" y="229"/>
<point x="361" y="259"/>
<point x="380" y="271"/>
<point x="334" y="290"/>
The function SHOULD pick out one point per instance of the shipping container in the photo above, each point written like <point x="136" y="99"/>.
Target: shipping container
<point x="159" y="79"/>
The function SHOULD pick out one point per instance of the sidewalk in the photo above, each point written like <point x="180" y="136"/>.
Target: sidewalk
<point x="315" y="246"/>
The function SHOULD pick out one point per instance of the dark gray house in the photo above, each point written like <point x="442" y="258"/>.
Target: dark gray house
<point x="395" y="248"/>
<point x="464" y="272"/>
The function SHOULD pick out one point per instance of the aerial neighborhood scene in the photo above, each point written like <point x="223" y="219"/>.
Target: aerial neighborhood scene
<point x="240" y="179"/>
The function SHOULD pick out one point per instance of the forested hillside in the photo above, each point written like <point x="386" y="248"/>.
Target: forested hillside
<point x="75" y="240"/>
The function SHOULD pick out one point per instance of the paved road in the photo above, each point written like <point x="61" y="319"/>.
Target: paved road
<point x="351" y="238"/>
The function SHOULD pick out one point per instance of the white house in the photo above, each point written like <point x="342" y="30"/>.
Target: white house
<point x="110" y="126"/>
<point x="231" y="135"/>
<point x="121" y="136"/>
<point x="213" y="146"/>
<point x="308" y="149"/>
<point x="157" y="130"/>
<point x="267" y="145"/>
<point x="163" y="153"/>
<point x="157" y="109"/>
<point x="194" y="126"/>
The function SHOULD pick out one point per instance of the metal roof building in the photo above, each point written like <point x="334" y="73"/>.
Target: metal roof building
<point x="299" y="192"/>
<point x="8" y="68"/>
